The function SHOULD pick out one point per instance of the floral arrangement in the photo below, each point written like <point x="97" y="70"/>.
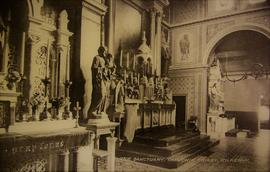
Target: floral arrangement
<point x="13" y="76"/>
<point x="37" y="99"/>
<point x="193" y="118"/>
<point x="59" y="102"/>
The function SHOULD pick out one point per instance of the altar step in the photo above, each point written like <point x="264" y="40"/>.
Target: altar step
<point x="166" y="141"/>
<point x="167" y="152"/>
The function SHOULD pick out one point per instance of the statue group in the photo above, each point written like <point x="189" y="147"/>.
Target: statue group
<point x="108" y="88"/>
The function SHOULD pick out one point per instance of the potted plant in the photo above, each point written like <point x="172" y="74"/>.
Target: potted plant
<point x="13" y="77"/>
<point x="59" y="103"/>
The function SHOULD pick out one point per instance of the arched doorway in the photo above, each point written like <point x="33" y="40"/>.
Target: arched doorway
<point x="239" y="53"/>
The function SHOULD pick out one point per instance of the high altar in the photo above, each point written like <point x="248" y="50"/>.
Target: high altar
<point x="148" y="98"/>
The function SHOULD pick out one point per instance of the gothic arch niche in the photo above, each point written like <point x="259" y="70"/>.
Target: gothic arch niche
<point x="214" y="42"/>
<point x="236" y="51"/>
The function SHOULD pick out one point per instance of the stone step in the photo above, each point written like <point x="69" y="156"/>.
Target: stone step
<point x="165" y="141"/>
<point x="165" y="151"/>
<point x="170" y="162"/>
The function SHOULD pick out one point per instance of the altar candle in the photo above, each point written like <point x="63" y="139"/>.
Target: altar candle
<point x="121" y="57"/>
<point x="131" y="77"/>
<point x="22" y="53"/>
<point x="48" y="58"/>
<point x="134" y="62"/>
<point x="138" y="78"/>
<point x="127" y="60"/>
<point x="67" y="65"/>
<point x="125" y="76"/>
<point x="77" y="104"/>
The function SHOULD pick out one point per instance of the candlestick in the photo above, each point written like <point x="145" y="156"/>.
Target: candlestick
<point x="134" y="62"/>
<point x="125" y="76"/>
<point x="22" y="53"/>
<point x="47" y="59"/>
<point x="138" y="78"/>
<point x="121" y="57"/>
<point x="67" y="65"/>
<point x="77" y="109"/>
<point x="132" y="78"/>
<point x="127" y="60"/>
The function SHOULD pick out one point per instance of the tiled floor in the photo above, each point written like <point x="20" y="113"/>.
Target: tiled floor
<point x="232" y="154"/>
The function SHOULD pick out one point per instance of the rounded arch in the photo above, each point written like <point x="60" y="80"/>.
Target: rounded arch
<point x="215" y="40"/>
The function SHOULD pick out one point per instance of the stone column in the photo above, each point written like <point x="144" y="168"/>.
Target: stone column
<point x="158" y="43"/>
<point x="96" y="140"/>
<point x="91" y="146"/>
<point x="152" y="41"/>
<point x="111" y="149"/>
<point x="63" y="44"/>
<point x="110" y="30"/>
<point x="63" y="161"/>
<point x="75" y="158"/>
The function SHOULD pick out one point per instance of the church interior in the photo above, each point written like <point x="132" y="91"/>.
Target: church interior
<point x="135" y="85"/>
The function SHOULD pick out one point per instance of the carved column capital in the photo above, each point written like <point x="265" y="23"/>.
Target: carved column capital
<point x="33" y="38"/>
<point x="153" y="12"/>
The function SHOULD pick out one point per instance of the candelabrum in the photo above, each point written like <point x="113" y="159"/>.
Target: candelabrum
<point x="67" y="114"/>
<point x="45" y="114"/>
<point x="23" y="102"/>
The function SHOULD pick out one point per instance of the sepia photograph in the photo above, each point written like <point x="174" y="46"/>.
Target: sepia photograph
<point x="134" y="85"/>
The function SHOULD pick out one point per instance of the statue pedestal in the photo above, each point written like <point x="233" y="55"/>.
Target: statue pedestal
<point x="217" y="126"/>
<point x="98" y="119"/>
<point x="101" y="127"/>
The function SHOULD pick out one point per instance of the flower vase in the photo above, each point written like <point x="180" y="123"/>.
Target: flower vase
<point x="61" y="111"/>
<point x="11" y="85"/>
<point x="38" y="112"/>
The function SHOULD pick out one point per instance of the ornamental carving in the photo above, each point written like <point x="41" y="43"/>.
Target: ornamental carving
<point x="213" y="29"/>
<point x="33" y="39"/>
<point x="41" y="60"/>
<point x="262" y="20"/>
<point x="38" y="165"/>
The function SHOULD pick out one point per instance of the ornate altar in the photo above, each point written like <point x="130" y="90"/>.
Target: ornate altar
<point x="148" y="99"/>
<point x="35" y="151"/>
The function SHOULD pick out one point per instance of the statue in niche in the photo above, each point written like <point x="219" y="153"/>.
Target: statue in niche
<point x="141" y="66"/>
<point x="165" y="56"/>
<point x="184" y="47"/>
<point x="167" y="94"/>
<point x="216" y="96"/>
<point x="119" y="97"/>
<point x="99" y="81"/>
<point x="148" y="68"/>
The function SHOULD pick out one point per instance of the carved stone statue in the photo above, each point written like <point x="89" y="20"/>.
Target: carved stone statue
<point x="99" y="82"/>
<point x="215" y="98"/>
<point x="119" y="97"/>
<point x="184" y="47"/>
<point x="165" y="56"/>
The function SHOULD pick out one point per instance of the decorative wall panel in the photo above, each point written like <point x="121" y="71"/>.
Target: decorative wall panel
<point x="185" y="45"/>
<point x="184" y="85"/>
<point x="185" y="10"/>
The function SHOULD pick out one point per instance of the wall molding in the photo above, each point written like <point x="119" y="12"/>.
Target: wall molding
<point x="207" y="19"/>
